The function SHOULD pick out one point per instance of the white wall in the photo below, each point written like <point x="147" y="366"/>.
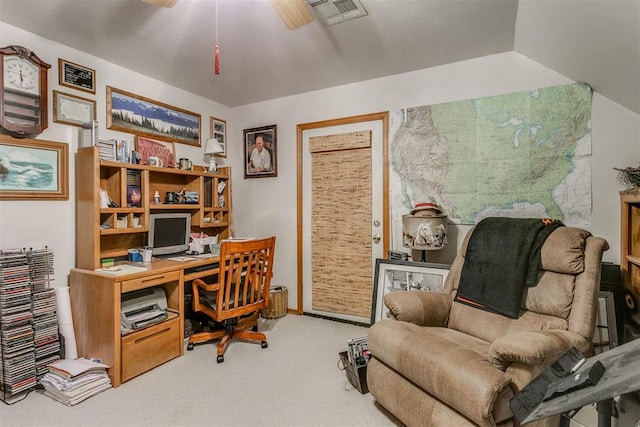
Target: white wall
<point x="25" y="224"/>
<point x="268" y="206"/>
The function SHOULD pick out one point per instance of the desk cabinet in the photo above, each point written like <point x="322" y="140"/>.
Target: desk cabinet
<point x="96" y="302"/>
<point x="145" y="349"/>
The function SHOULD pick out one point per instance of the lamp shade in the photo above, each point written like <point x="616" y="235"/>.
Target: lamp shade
<point x="213" y="146"/>
<point x="424" y="232"/>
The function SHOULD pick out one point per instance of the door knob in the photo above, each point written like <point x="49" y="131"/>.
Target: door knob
<point x="376" y="238"/>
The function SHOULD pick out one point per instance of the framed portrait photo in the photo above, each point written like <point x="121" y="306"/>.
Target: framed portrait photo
<point x="260" y="152"/>
<point x="397" y="275"/>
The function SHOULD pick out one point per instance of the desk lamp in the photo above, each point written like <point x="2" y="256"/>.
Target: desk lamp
<point x="213" y="147"/>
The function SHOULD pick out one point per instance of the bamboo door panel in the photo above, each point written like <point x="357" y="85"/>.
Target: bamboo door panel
<point x="341" y="248"/>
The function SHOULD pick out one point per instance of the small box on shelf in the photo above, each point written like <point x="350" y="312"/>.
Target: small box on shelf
<point x="136" y="221"/>
<point x="121" y="222"/>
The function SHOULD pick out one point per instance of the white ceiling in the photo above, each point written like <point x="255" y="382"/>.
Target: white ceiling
<point x="597" y="41"/>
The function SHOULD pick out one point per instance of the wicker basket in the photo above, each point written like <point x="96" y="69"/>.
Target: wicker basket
<point x="278" y="300"/>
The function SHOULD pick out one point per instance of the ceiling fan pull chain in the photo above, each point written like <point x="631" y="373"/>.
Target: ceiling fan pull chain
<point x="216" y="55"/>
<point x="217" y="61"/>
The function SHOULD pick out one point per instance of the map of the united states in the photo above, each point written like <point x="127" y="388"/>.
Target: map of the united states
<point x="525" y="154"/>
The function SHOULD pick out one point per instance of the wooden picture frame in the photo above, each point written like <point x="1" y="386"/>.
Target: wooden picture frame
<point x="142" y="116"/>
<point x="76" y="76"/>
<point x="165" y="151"/>
<point x="73" y="110"/>
<point x="218" y="130"/>
<point x="268" y="155"/>
<point x="605" y="335"/>
<point x="396" y="275"/>
<point x="33" y="169"/>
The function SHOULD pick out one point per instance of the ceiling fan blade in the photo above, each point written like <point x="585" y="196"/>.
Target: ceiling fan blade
<point x="162" y="3"/>
<point x="294" y="13"/>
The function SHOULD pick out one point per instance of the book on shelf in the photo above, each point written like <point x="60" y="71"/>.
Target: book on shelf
<point x="107" y="149"/>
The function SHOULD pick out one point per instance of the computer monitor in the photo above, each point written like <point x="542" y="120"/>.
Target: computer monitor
<point x="169" y="232"/>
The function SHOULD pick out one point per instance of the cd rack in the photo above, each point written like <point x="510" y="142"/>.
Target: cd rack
<point x="43" y="302"/>
<point x="29" y="339"/>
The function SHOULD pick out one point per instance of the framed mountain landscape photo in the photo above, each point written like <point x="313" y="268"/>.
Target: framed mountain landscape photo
<point x="142" y="116"/>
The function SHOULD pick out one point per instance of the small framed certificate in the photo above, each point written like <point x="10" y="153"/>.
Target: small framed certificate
<point x="76" y="76"/>
<point x="73" y="110"/>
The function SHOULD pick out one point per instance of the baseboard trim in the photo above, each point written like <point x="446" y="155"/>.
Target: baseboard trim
<point x="320" y="316"/>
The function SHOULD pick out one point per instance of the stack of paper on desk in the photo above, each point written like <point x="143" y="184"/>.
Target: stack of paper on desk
<point x="118" y="270"/>
<point x="72" y="381"/>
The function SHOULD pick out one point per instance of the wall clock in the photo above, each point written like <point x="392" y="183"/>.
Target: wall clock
<point x="23" y="99"/>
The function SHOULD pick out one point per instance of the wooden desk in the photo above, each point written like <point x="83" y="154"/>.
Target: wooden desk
<point x="95" y="304"/>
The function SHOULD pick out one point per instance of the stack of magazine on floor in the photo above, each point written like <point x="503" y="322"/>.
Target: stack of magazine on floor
<point x="71" y="381"/>
<point x="358" y="351"/>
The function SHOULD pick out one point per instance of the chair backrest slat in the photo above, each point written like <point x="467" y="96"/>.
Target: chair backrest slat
<point x="245" y="278"/>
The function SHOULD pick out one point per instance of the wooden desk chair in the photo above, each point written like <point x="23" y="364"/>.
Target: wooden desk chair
<point x="241" y="292"/>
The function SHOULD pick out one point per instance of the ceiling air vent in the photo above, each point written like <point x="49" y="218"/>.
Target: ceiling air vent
<point x="335" y="11"/>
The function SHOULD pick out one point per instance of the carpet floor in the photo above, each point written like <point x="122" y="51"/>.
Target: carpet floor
<point x="296" y="381"/>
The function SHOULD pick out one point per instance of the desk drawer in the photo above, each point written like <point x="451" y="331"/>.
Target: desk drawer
<point x="148" y="281"/>
<point x="144" y="350"/>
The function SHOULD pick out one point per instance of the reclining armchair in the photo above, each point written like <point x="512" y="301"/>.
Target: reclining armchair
<point x="440" y="362"/>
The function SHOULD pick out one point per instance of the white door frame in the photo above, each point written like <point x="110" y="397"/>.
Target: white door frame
<point x="384" y="118"/>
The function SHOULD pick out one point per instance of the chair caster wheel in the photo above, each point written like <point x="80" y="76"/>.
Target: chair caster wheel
<point x="220" y="359"/>
<point x="190" y="346"/>
<point x="264" y="344"/>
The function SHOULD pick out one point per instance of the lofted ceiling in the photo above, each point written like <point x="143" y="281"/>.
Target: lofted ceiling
<point x="597" y="41"/>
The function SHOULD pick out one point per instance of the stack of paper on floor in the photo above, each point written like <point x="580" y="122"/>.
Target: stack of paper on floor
<point x="71" y="381"/>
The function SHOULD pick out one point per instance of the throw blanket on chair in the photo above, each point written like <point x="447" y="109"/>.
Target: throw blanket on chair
<point x="503" y="257"/>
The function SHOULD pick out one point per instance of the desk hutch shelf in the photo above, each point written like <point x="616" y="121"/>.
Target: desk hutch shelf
<point x="110" y="232"/>
<point x="630" y="239"/>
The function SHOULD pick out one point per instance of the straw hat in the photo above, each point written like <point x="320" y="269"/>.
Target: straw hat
<point x="427" y="205"/>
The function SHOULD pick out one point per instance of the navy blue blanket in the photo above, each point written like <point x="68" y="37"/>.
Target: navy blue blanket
<point x="502" y="259"/>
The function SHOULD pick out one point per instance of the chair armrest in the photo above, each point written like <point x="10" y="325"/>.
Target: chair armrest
<point x="423" y="308"/>
<point x="532" y="347"/>
<point x="206" y="286"/>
